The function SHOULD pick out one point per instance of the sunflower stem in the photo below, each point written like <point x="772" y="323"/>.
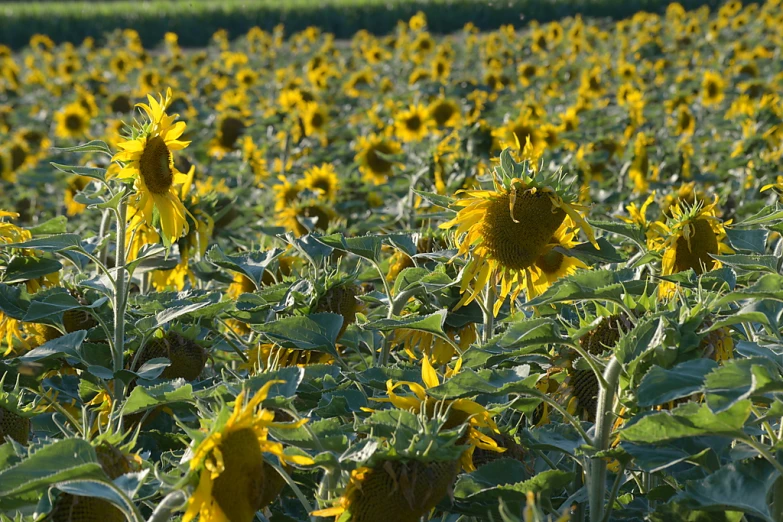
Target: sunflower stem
<point x="119" y="298"/>
<point x="489" y="314"/>
<point x="105" y="219"/>
<point x="596" y="483"/>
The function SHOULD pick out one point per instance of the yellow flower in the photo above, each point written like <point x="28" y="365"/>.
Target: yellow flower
<point x="231" y="463"/>
<point x="286" y="193"/>
<point x="304" y="216"/>
<point x="432" y="346"/>
<point x="551" y="265"/>
<point x="712" y="87"/>
<point x="322" y="180"/>
<point x="412" y="124"/>
<point x="460" y="411"/>
<point x="369" y="151"/>
<point x="444" y="112"/>
<point x="147" y="159"/>
<point x="73" y="121"/>
<point x="508" y="228"/>
<point x="230" y="128"/>
<point x="691" y="236"/>
<point x="315" y="117"/>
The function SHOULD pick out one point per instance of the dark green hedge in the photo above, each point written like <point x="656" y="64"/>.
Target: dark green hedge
<point x="195" y="22"/>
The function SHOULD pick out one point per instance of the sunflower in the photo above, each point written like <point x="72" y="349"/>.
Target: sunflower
<point x="684" y="122"/>
<point x="72" y="121"/>
<point x="520" y="130"/>
<point x="286" y="193"/>
<point x="412" y="124"/>
<point x="444" y="112"/>
<point x="322" y="180"/>
<point x="146" y="158"/>
<point x="305" y="216"/>
<point x="691" y="236"/>
<point x="267" y="356"/>
<point x="460" y="411"/>
<point x="231" y="464"/>
<point x="509" y="228"/>
<point x="552" y="264"/>
<point x="409" y="488"/>
<point x="230" y="128"/>
<point x="120" y="103"/>
<point x="712" y="87"/>
<point x="369" y="155"/>
<point x="314" y="117"/>
<point x="5" y="167"/>
<point x="75" y="185"/>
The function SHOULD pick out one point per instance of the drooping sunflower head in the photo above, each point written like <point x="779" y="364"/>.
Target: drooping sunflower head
<point x="186" y="355"/>
<point x="340" y="299"/>
<point x="230" y="128"/>
<point x="691" y="237"/>
<point x="229" y="459"/>
<point x="146" y="158"/>
<point x="444" y="112"/>
<point x="14" y="420"/>
<point x="372" y="156"/>
<point x="305" y="216"/>
<point x="506" y="230"/>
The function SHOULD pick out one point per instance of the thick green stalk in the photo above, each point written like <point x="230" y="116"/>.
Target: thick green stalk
<point x="596" y="476"/>
<point x="119" y="298"/>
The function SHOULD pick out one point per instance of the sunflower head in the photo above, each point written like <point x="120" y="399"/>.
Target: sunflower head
<point x="413" y="124"/>
<point x="187" y="357"/>
<point x="230" y="461"/>
<point x="507" y="230"/>
<point x="340" y="299"/>
<point x="14" y="420"/>
<point x="372" y="155"/>
<point x="146" y="158"/>
<point x="323" y="181"/>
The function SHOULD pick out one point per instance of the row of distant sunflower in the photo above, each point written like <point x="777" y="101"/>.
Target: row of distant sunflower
<point x="589" y="98"/>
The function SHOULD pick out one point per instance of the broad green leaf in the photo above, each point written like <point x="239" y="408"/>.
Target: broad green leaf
<point x="644" y="337"/>
<point x="738" y="379"/>
<point x="689" y="420"/>
<point x="100" y="489"/>
<point x="660" y="386"/>
<point x="470" y="383"/>
<point x="55" y="303"/>
<point x="66" y="459"/>
<point x="90" y="172"/>
<point x="409" y="277"/>
<point x="587" y="253"/>
<point x="768" y="286"/>
<point x="142" y="398"/>
<point x="168" y="315"/>
<point x="526" y="333"/>
<point x="737" y="486"/>
<point x="368" y="247"/>
<point x="436" y="199"/>
<point x="53" y="243"/>
<point x="25" y="268"/>
<point x="66" y="345"/>
<point x="758" y="263"/>
<point x="252" y="264"/>
<point x="11" y="303"/>
<point x="750" y="240"/>
<point x="591" y="284"/>
<point x="432" y="323"/>
<point x="313" y="332"/>
<point x="90" y="146"/>
<point x="632" y="232"/>
<point x="55" y="225"/>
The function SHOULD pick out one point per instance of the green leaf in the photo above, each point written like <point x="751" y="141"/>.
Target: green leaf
<point x="168" y="315"/>
<point x="633" y="232"/>
<point x="436" y="199"/>
<point x="368" y="247"/>
<point x="660" y="386"/>
<point x="251" y="264"/>
<point x="25" y="268"/>
<point x="313" y="332"/>
<point x="598" y="285"/>
<point x="768" y="286"/>
<point x="56" y="303"/>
<point x="53" y="243"/>
<point x="644" y="337"/>
<point x="590" y="255"/>
<point x="66" y="459"/>
<point x="527" y="333"/>
<point x="432" y="323"/>
<point x="142" y="398"/>
<point x="469" y="383"/>
<point x="752" y="240"/>
<point x="90" y="146"/>
<point x="689" y="420"/>
<point x="90" y="172"/>
<point x="11" y="302"/>
<point x="750" y="262"/>
<point x="739" y="379"/>
<point x="737" y="486"/>
<point x="67" y="345"/>
<point x="55" y="225"/>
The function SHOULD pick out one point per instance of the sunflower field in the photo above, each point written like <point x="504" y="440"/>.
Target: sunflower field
<point x="523" y="275"/>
